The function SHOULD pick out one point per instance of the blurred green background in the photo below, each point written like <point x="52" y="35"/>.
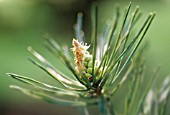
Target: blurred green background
<point x="24" y="22"/>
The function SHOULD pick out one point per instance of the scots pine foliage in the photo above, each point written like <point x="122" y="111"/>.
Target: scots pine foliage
<point x="99" y="69"/>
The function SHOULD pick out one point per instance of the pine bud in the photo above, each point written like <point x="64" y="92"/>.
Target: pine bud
<point x="89" y="70"/>
<point x="90" y="64"/>
<point x="88" y="75"/>
<point x="88" y="58"/>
